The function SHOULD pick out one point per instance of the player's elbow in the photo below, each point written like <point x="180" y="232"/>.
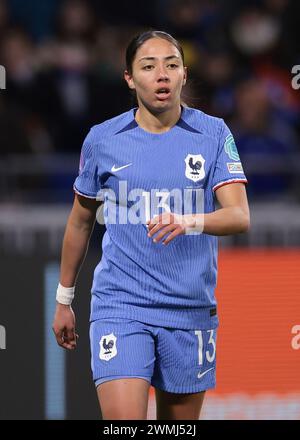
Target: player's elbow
<point x="244" y="222"/>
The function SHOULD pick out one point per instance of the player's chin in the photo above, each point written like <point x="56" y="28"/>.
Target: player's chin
<point x="162" y="105"/>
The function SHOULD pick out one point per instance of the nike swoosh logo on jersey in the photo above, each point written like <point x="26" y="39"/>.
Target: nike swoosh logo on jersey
<point x="114" y="169"/>
<point x="204" y="372"/>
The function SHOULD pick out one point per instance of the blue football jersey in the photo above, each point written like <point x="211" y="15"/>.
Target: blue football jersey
<point x="140" y="174"/>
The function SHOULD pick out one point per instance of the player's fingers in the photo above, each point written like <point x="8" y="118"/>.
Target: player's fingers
<point x="68" y="346"/>
<point x="165" y="219"/>
<point x="62" y="338"/>
<point x="70" y="336"/>
<point x="59" y="336"/>
<point x="155" y="229"/>
<point x="153" y="221"/>
<point x="67" y="341"/>
<point x="163" y="232"/>
<point x="175" y="233"/>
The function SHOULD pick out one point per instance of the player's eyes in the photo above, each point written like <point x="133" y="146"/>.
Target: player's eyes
<point x="173" y="65"/>
<point x="151" y="66"/>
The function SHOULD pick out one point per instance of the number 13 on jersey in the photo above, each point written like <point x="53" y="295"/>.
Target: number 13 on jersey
<point x="210" y="353"/>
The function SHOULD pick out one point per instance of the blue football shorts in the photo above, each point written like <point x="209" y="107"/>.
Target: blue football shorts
<point x="176" y="361"/>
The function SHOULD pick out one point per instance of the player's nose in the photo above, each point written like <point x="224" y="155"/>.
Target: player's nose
<point x="162" y="74"/>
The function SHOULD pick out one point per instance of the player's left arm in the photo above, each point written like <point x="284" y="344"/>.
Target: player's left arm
<point x="233" y="217"/>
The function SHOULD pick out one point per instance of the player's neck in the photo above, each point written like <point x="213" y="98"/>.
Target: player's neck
<point x="159" y="122"/>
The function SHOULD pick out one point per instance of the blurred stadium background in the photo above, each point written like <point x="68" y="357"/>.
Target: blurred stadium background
<point x="64" y="62"/>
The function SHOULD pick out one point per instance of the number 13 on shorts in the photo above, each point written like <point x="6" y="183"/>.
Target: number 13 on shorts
<point x="210" y="352"/>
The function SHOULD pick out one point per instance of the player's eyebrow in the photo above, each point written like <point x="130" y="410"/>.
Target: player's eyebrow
<point x="169" y="57"/>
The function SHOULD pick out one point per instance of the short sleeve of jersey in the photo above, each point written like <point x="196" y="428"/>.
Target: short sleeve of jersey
<point x="87" y="183"/>
<point x="228" y="168"/>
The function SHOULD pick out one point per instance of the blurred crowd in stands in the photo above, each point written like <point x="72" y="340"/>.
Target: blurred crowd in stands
<point x="64" y="62"/>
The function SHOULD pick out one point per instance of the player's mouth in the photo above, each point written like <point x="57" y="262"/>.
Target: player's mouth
<point x="162" y="93"/>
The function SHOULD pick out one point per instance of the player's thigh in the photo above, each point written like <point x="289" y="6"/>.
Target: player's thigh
<point x="124" y="399"/>
<point x="173" y="406"/>
<point x="184" y="370"/>
<point x="123" y="357"/>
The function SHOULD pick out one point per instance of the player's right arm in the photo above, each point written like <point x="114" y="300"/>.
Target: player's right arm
<point x="75" y="244"/>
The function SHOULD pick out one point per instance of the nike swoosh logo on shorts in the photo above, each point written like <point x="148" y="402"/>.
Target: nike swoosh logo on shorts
<point x="114" y="169"/>
<point x="204" y="372"/>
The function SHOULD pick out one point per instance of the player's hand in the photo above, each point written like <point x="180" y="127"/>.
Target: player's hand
<point x="64" y="327"/>
<point x="168" y="222"/>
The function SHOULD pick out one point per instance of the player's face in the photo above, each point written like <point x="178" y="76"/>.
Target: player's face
<point x="157" y="75"/>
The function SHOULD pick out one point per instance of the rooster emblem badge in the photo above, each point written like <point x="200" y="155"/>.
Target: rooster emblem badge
<point x="194" y="167"/>
<point x="108" y="347"/>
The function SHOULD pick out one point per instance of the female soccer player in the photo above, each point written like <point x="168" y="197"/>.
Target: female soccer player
<point x="153" y="310"/>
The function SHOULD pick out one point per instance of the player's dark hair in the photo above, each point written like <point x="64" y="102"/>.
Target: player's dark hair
<point x="140" y="39"/>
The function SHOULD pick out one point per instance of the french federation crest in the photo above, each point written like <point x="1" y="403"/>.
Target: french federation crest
<point x="194" y="168"/>
<point x="108" y="347"/>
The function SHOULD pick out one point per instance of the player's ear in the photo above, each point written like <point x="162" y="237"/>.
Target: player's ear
<point x="184" y="76"/>
<point x="128" y="78"/>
